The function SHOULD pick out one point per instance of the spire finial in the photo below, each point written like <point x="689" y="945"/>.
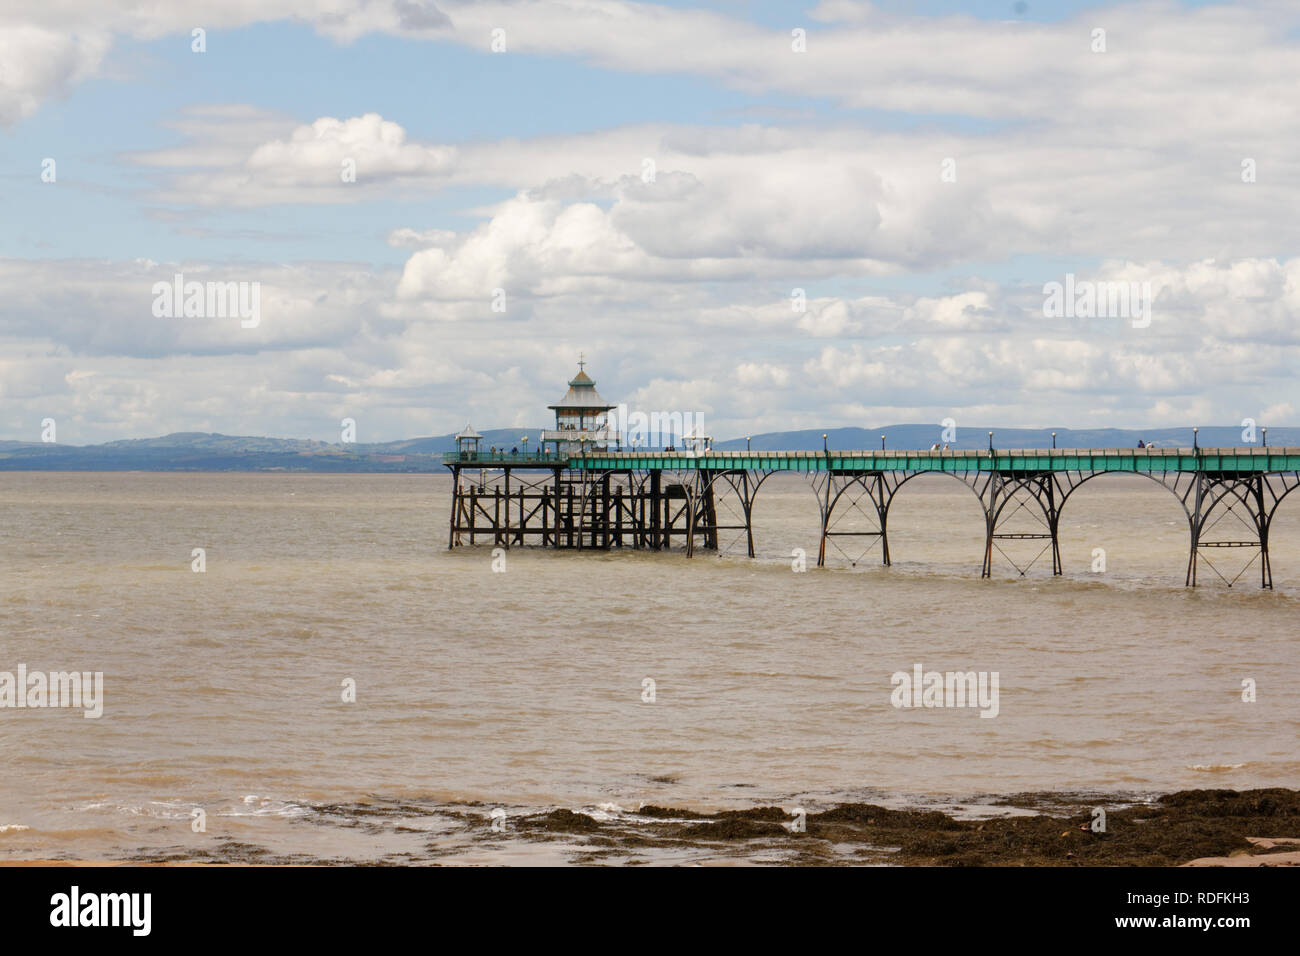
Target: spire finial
<point x="582" y="361"/>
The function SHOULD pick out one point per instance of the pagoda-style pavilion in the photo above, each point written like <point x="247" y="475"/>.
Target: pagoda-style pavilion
<point x="580" y="418"/>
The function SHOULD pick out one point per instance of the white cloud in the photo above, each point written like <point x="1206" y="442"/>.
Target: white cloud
<point x="37" y="63"/>
<point x="1237" y="62"/>
<point x="81" y="345"/>
<point x="828" y="200"/>
<point x="406" y="238"/>
<point x="377" y="147"/>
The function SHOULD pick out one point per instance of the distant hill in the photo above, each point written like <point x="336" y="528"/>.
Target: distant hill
<point x="923" y="436"/>
<point x="201" y="451"/>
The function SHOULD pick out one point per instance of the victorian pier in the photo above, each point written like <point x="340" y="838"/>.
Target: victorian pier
<point x="580" y="488"/>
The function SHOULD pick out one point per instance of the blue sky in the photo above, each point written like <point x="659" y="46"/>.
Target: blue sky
<point x="436" y="90"/>
<point x="523" y="171"/>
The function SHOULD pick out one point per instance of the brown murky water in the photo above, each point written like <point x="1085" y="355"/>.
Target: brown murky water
<point x="523" y="690"/>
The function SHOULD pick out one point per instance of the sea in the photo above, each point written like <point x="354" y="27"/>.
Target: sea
<point x="296" y="668"/>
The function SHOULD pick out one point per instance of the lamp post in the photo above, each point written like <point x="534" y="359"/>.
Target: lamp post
<point x="1053" y="439"/>
<point x="1264" y="432"/>
<point x="746" y="443"/>
<point x="825" y="447"/>
<point x="524" y="441"/>
<point x="990" y="443"/>
<point x="1195" y="439"/>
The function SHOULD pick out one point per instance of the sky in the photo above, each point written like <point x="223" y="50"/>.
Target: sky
<point x="771" y="216"/>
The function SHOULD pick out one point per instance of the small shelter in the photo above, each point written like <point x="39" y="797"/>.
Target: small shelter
<point x="467" y="442"/>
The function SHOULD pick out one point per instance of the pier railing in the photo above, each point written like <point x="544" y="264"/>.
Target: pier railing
<point x="1140" y="460"/>
<point x="525" y="458"/>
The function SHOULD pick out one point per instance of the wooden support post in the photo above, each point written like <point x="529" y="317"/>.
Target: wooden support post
<point x="655" y="542"/>
<point x="618" y="517"/>
<point x="473" y="514"/>
<point x="455" y="503"/>
<point x="709" y="511"/>
<point x="555" y="536"/>
<point x="606" y="504"/>
<point x="496" y="514"/>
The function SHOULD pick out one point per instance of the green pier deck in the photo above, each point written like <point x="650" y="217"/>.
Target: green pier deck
<point x="1140" y="460"/>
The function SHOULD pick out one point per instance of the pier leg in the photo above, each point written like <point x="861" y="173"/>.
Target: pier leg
<point x="455" y="505"/>
<point x="708" y="511"/>
<point x="618" y="517"/>
<point x="687" y="510"/>
<point x="749" y="514"/>
<point x="1263" y="518"/>
<point x="846" y="493"/>
<point x="523" y="520"/>
<point x="606" y="502"/>
<point x="990" y="522"/>
<point x="496" y="514"/>
<point x="1195" y="520"/>
<point x="473" y="514"/>
<point x="1013" y="498"/>
<point x="884" y="530"/>
<point x="503" y="531"/>
<point x="1220" y="496"/>
<point x="1053" y="521"/>
<point x="1057" y="568"/>
<point x="655" y="510"/>
<point x="1266" y="569"/>
<point x="987" y="570"/>
<point x="826" y="523"/>
<point x="559" y="495"/>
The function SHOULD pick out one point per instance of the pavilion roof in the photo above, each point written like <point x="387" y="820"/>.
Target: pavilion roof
<point x="582" y="395"/>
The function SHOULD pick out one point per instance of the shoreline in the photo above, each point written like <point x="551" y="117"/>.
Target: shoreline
<point x="1185" y="828"/>
<point x="1201" y="827"/>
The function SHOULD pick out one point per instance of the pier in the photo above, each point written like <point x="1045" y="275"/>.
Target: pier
<point x="579" y="493"/>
